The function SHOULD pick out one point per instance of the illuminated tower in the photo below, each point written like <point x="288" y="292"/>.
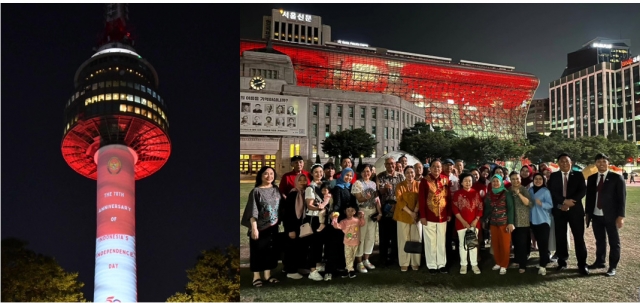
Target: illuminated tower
<point x="116" y="132"/>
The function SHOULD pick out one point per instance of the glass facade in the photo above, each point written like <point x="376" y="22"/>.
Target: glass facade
<point x="471" y="101"/>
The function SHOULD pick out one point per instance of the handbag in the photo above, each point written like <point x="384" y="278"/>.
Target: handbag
<point x="305" y="230"/>
<point x="470" y="239"/>
<point x="374" y="217"/>
<point x="412" y="247"/>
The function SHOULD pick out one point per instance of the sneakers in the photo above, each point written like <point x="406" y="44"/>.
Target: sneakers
<point x="295" y="276"/>
<point x="463" y="270"/>
<point x="361" y="268"/>
<point x="327" y="277"/>
<point x="345" y="274"/>
<point x="315" y="276"/>
<point x="476" y="269"/>
<point x="368" y="264"/>
<point x="542" y="271"/>
<point x="495" y="267"/>
<point x="352" y="274"/>
<point x="503" y="270"/>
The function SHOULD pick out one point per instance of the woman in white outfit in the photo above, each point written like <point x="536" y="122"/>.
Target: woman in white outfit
<point x="365" y="192"/>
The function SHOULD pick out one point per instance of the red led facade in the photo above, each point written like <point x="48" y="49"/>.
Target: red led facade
<point x="468" y="100"/>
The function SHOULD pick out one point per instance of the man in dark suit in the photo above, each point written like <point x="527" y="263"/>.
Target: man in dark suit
<point x="605" y="207"/>
<point x="567" y="190"/>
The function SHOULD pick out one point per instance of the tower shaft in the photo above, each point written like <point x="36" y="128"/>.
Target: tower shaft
<point x="115" y="271"/>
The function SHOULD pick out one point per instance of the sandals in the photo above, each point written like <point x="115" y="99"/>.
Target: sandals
<point x="257" y="283"/>
<point x="273" y="280"/>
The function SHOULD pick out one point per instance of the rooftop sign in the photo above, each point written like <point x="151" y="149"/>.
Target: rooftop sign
<point x="353" y="43"/>
<point x="631" y="61"/>
<point x="296" y="16"/>
<point x="601" y="45"/>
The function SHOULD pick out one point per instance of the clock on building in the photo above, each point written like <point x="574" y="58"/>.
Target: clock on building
<point x="258" y="83"/>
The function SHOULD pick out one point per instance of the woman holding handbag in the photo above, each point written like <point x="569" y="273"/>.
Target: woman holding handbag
<point x="294" y="213"/>
<point x="406" y="215"/>
<point x="365" y="192"/>
<point x="467" y="207"/>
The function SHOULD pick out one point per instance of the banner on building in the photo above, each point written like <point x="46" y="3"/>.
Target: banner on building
<point x="275" y="115"/>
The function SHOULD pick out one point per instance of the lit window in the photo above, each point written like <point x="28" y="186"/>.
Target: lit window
<point x="123" y="108"/>
<point x="136" y="99"/>
<point x="149" y="115"/>
<point x="137" y="110"/>
<point x="123" y="96"/>
<point x="144" y="112"/>
<point x="144" y="101"/>
<point x="143" y="88"/>
<point x="100" y="97"/>
<point x="94" y="99"/>
<point x="130" y="98"/>
<point x="314" y="151"/>
<point x="130" y="108"/>
<point x="154" y="107"/>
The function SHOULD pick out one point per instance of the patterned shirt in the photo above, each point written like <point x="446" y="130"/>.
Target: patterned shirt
<point x="364" y="188"/>
<point x="351" y="229"/>
<point x="388" y="200"/>
<point x="523" y="212"/>
<point x="263" y="205"/>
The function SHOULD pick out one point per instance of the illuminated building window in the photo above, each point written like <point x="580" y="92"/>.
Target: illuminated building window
<point x="136" y="86"/>
<point x="137" y="99"/>
<point x="314" y="151"/>
<point x="314" y="130"/>
<point x="129" y="108"/>
<point x="123" y="96"/>
<point x="327" y="110"/>
<point x="339" y="110"/>
<point x="94" y="99"/>
<point x="130" y="98"/>
<point x="373" y="131"/>
<point x="386" y="150"/>
<point x="294" y="150"/>
<point x="123" y="108"/>
<point x="143" y="101"/>
<point x="143" y="112"/>
<point x="137" y="110"/>
<point x="101" y="97"/>
<point x="327" y="130"/>
<point x="373" y="155"/>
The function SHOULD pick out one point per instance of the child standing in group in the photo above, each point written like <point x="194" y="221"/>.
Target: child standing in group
<point x="351" y="228"/>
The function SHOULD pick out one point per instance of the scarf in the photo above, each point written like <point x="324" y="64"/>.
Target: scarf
<point x="528" y="180"/>
<point x="499" y="189"/>
<point x="299" y="197"/>
<point x="537" y="188"/>
<point x="340" y="182"/>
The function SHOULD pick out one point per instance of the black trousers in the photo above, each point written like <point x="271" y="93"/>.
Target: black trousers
<point x="313" y="245"/>
<point x="576" y="222"/>
<point x="333" y="249"/>
<point x="601" y="231"/>
<point x="521" y="239"/>
<point x="541" y="232"/>
<point x="264" y="251"/>
<point x="293" y="254"/>
<point x="451" y="236"/>
<point x="388" y="239"/>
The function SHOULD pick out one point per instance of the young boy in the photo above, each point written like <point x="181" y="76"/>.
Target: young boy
<point x="351" y="228"/>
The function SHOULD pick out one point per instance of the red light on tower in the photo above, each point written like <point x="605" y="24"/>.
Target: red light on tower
<point x="116" y="132"/>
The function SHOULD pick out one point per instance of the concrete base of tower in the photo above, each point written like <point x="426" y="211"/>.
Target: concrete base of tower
<point x="115" y="271"/>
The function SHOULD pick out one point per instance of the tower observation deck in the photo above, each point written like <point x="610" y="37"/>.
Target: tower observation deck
<point x="116" y="132"/>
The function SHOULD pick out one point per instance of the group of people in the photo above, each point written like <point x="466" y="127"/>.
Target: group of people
<point x="324" y="222"/>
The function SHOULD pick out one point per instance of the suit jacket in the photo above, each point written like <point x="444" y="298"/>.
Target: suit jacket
<point x="576" y="189"/>
<point x="614" y="196"/>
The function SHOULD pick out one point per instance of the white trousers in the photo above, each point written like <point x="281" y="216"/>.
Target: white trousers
<point x="367" y="234"/>
<point x="473" y="254"/>
<point x="404" y="258"/>
<point x="434" y="244"/>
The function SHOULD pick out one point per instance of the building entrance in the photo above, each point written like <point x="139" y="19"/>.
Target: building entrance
<point x="251" y="164"/>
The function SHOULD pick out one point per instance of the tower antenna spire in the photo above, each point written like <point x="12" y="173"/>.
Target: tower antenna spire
<point x="116" y="16"/>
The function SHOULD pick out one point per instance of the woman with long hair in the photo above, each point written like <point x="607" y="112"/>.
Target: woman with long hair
<point x="294" y="211"/>
<point x="314" y="199"/>
<point x="498" y="208"/>
<point x="522" y="203"/>
<point x="334" y="246"/>
<point x="261" y="216"/>
<point x="541" y="218"/>
<point x="406" y="215"/>
<point x="365" y="191"/>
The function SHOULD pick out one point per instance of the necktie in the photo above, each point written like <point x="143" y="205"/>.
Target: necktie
<point x="600" y="184"/>
<point x="564" y="185"/>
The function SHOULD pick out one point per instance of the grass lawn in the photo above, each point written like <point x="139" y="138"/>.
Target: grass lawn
<point x="389" y="284"/>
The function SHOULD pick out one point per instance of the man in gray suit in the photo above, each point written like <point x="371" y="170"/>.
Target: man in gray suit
<point x="605" y="207"/>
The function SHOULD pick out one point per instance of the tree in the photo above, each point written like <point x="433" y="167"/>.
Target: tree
<point x="534" y="138"/>
<point x="349" y="143"/>
<point x="215" y="278"/>
<point x="620" y="151"/>
<point x="427" y="145"/>
<point x="468" y="149"/>
<point x="31" y="277"/>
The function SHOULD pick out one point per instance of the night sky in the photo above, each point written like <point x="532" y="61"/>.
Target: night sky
<point x="534" y="38"/>
<point x="190" y="204"/>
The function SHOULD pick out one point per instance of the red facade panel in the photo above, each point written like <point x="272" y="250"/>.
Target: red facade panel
<point x="469" y="101"/>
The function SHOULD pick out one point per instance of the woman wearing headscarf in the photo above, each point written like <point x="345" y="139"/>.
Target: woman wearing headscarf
<point x="261" y="216"/>
<point x="294" y="211"/>
<point x="498" y="208"/>
<point x="406" y="215"/>
<point x="312" y="244"/>
<point x="334" y="245"/>
<point x="541" y="218"/>
<point x="522" y="203"/>
<point x="526" y="176"/>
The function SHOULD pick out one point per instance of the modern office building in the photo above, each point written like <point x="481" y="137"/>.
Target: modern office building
<point x="538" y="117"/>
<point x="598" y="100"/>
<point x="597" y="51"/>
<point x="295" y="27"/>
<point x="115" y="132"/>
